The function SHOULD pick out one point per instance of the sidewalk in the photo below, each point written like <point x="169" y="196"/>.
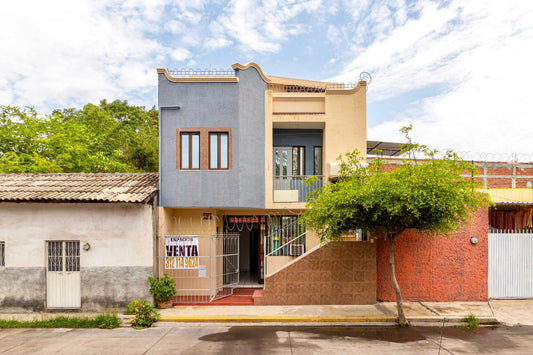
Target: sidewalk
<point x="507" y="312"/>
<point x="511" y="312"/>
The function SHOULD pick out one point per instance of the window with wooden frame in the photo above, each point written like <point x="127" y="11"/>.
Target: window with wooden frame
<point x="317" y="160"/>
<point x="190" y="150"/>
<point x="298" y="161"/>
<point x="218" y="150"/>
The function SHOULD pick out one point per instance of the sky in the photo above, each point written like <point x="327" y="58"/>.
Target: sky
<point x="460" y="72"/>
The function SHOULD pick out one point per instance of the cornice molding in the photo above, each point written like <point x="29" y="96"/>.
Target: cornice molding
<point x="251" y="65"/>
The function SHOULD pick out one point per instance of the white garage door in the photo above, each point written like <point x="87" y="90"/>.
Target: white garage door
<point x="510" y="265"/>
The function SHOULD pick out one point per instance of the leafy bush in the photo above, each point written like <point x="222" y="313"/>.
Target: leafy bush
<point x="132" y="306"/>
<point x="162" y="289"/>
<point x="144" y="315"/>
<point x="103" y="321"/>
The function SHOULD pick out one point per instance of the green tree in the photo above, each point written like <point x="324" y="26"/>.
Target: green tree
<point x="430" y="195"/>
<point x="110" y="137"/>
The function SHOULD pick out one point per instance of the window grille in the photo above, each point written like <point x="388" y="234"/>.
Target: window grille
<point x="2" y="253"/>
<point x="64" y="256"/>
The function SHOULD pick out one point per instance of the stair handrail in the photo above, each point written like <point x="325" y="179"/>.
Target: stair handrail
<point x="289" y="242"/>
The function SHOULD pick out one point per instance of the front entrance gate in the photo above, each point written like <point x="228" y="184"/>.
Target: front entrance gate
<point x="205" y="268"/>
<point x="63" y="274"/>
<point x="510" y="265"/>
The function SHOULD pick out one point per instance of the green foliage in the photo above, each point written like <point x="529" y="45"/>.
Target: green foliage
<point x="162" y="289"/>
<point x="434" y="196"/>
<point x="111" y="137"/>
<point x="144" y="315"/>
<point x="430" y="195"/>
<point x="471" y="321"/>
<point x="102" y="321"/>
<point x="132" y="306"/>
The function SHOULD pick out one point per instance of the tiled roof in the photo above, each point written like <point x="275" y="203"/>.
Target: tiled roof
<point x="78" y="187"/>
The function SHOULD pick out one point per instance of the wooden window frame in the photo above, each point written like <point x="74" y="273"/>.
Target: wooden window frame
<point x="204" y="145"/>
<point x="218" y="134"/>
<point x="190" y="134"/>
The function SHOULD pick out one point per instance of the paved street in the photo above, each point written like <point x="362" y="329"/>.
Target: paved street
<point x="230" y="339"/>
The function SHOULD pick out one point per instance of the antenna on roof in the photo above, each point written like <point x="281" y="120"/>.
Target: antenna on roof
<point x="365" y="76"/>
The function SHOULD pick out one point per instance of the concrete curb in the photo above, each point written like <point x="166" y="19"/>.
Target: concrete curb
<point x="449" y="321"/>
<point x="280" y="319"/>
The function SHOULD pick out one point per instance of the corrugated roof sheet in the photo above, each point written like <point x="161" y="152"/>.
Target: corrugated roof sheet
<point x="78" y="187"/>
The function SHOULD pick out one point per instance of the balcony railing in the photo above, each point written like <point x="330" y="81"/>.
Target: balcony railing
<point x="294" y="188"/>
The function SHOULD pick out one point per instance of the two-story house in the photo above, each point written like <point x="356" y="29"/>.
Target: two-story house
<point x="235" y="150"/>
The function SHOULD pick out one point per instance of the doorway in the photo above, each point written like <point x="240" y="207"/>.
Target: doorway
<point x="251" y="230"/>
<point x="63" y="274"/>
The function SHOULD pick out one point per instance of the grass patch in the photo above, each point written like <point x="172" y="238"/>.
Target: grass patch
<point x="471" y="321"/>
<point x="102" y="321"/>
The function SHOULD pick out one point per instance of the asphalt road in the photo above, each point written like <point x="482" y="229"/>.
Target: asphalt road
<point x="229" y="339"/>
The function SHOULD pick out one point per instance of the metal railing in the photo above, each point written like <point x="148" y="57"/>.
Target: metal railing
<point x="311" y="88"/>
<point x="296" y="183"/>
<point x="211" y="274"/>
<point x="287" y="249"/>
<point x="186" y="73"/>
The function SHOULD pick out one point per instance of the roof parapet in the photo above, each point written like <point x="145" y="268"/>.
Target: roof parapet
<point x="199" y="76"/>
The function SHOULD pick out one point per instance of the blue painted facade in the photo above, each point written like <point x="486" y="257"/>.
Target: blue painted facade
<point x="240" y="106"/>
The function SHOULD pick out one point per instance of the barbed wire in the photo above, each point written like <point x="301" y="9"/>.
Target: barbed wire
<point x="482" y="157"/>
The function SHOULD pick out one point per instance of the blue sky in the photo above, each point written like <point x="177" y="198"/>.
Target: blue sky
<point x="459" y="71"/>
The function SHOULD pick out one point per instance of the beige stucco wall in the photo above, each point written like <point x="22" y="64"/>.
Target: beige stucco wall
<point x="343" y="123"/>
<point x="119" y="234"/>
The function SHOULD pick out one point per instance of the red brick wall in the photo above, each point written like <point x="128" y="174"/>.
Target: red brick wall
<point x="496" y="174"/>
<point x="437" y="268"/>
<point x="333" y="274"/>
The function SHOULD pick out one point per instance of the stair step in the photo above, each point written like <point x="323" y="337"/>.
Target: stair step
<point x="240" y="297"/>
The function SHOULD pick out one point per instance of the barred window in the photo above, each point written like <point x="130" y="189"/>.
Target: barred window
<point x="64" y="256"/>
<point x="2" y="253"/>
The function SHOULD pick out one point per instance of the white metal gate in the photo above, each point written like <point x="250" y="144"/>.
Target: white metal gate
<point x="510" y="265"/>
<point x="63" y="274"/>
<point x="214" y="276"/>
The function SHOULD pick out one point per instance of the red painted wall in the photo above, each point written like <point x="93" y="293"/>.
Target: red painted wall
<point x="437" y="268"/>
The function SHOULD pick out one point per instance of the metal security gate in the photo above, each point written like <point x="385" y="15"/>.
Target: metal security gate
<point x="63" y="274"/>
<point x="510" y="265"/>
<point x="205" y="268"/>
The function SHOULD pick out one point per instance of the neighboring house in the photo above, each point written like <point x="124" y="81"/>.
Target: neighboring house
<point x="76" y="241"/>
<point x="235" y="148"/>
<point x="490" y="257"/>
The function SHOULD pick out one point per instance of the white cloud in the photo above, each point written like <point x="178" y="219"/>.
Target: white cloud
<point x="479" y="51"/>
<point x="180" y="54"/>
<point x="259" y="27"/>
<point x="64" y="53"/>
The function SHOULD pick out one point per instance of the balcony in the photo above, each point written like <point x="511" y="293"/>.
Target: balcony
<point x="294" y="188"/>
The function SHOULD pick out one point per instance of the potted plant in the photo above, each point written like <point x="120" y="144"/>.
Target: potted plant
<point x="162" y="290"/>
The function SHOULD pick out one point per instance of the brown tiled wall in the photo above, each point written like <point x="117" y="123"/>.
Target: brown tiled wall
<point x="337" y="273"/>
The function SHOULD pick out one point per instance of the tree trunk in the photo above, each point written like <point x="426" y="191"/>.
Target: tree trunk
<point x="399" y="304"/>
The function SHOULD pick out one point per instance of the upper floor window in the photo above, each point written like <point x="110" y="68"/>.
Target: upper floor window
<point x="190" y="150"/>
<point x="218" y="150"/>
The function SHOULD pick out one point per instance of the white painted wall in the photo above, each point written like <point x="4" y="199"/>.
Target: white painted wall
<point x="119" y="234"/>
